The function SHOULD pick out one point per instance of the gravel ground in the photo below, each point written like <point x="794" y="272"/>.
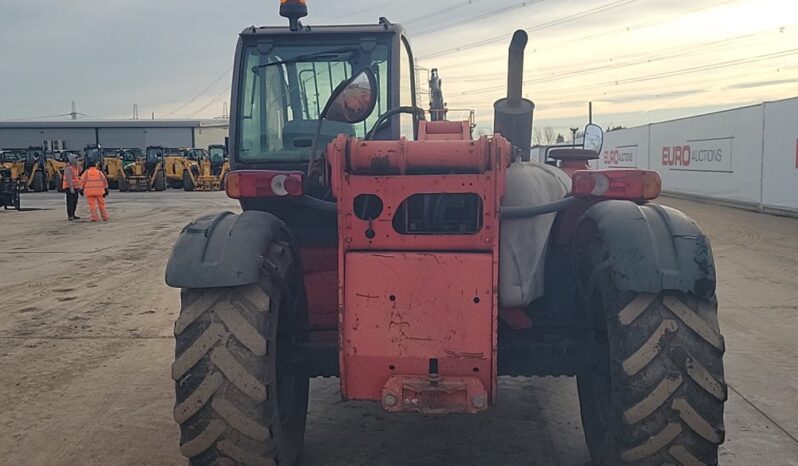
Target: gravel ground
<point x="86" y="348"/>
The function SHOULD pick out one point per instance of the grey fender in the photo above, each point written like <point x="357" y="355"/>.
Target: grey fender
<point x="653" y="248"/>
<point x="222" y="250"/>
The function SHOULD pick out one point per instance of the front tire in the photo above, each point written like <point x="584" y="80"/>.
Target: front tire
<point x="236" y="401"/>
<point x="188" y="184"/>
<point x="38" y="183"/>
<point x="658" y="397"/>
<point x="159" y="183"/>
<point x="58" y="180"/>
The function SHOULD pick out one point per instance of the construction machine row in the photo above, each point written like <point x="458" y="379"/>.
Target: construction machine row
<point x="156" y="168"/>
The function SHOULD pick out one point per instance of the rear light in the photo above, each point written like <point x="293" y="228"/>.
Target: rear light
<point x="245" y="184"/>
<point x="617" y="184"/>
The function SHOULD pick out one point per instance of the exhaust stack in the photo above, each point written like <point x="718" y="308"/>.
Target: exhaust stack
<point x="512" y="116"/>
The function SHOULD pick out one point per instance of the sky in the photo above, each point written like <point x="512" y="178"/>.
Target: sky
<point x="638" y="61"/>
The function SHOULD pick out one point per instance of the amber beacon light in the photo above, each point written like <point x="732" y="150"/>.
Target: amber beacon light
<point x="293" y="10"/>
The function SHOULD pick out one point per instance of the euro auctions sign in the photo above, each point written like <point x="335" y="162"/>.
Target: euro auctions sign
<point x="620" y="157"/>
<point x="705" y="155"/>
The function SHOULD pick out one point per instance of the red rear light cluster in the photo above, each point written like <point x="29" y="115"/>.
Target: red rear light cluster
<point x="244" y="184"/>
<point x="617" y="184"/>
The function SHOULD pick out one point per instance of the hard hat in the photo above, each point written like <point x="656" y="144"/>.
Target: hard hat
<point x="72" y="158"/>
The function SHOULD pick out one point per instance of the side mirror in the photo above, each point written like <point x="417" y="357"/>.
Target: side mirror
<point x="353" y="100"/>
<point x="594" y="138"/>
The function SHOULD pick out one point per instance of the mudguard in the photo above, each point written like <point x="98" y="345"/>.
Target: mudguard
<point x="222" y="250"/>
<point x="652" y="248"/>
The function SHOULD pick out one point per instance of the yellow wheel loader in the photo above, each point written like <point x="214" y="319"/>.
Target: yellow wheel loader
<point x="179" y="167"/>
<point x="54" y="165"/>
<point x="145" y="173"/>
<point x="26" y="167"/>
<point x="209" y="173"/>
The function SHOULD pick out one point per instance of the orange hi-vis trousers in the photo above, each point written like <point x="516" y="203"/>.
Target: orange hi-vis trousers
<point x="94" y="202"/>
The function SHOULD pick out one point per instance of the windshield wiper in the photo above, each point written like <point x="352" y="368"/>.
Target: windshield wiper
<point x="335" y="53"/>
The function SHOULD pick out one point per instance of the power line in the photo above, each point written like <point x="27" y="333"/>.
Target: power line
<point x="669" y="74"/>
<point x="40" y="117"/>
<point x="371" y="8"/>
<point x="443" y="11"/>
<point x="472" y="19"/>
<point x="602" y="34"/>
<point x="539" y="27"/>
<point x="213" y="101"/>
<point x="675" y="52"/>
<point x="201" y="93"/>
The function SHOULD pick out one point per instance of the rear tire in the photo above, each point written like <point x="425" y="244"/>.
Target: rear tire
<point x="659" y="398"/>
<point x="58" y="180"/>
<point x="159" y="184"/>
<point x="235" y="401"/>
<point x="188" y="185"/>
<point x="38" y="183"/>
<point x="123" y="185"/>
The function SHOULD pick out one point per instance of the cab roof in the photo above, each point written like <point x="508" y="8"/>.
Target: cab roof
<point x="384" y="26"/>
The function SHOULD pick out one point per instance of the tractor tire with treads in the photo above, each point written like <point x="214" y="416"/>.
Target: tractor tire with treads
<point x="38" y="184"/>
<point x="58" y="180"/>
<point x="159" y="183"/>
<point x="188" y="184"/>
<point x="659" y="398"/>
<point x="235" y="402"/>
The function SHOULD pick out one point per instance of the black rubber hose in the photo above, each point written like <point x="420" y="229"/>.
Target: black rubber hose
<point x="508" y="213"/>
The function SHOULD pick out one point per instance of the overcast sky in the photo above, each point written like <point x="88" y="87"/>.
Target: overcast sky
<point x="638" y="60"/>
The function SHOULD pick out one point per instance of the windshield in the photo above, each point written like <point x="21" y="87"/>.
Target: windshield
<point x="196" y="154"/>
<point x="92" y="156"/>
<point x="155" y="153"/>
<point x="217" y="154"/>
<point x="281" y="102"/>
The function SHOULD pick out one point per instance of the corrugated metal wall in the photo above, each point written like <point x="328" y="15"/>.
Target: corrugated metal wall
<point x="141" y="137"/>
<point x="74" y="138"/>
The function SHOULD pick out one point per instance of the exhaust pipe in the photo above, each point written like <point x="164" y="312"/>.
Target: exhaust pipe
<point x="512" y="116"/>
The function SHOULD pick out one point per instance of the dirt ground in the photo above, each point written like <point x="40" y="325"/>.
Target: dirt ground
<point x="86" y="348"/>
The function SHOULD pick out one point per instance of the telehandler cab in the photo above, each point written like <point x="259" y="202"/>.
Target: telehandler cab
<point x="419" y="269"/>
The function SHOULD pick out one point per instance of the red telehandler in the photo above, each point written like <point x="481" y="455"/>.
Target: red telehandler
<point x="418" y="265"/>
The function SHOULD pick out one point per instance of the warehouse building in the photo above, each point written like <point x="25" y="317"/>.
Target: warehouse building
<point x="75" y="135"/>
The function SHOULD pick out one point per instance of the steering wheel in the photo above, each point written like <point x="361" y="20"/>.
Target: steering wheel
<point x="331" y="206"/>
<point x="385" y="118"/>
